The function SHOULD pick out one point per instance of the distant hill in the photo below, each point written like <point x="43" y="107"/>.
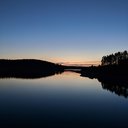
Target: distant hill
<point x="28" y="68"/>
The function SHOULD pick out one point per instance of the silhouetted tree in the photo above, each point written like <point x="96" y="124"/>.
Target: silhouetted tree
<point x="114" y="58"/>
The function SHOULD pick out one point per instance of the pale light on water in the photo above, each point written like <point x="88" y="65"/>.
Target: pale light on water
<point x="66" y="100"/>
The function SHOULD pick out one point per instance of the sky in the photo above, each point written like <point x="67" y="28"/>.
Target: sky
<point x="63" y="31"/>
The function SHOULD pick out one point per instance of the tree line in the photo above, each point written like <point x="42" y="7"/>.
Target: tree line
<point x="115" y="59"/>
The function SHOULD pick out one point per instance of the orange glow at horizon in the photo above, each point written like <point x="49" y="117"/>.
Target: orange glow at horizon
<point x="65" y="60"/>
<point x="75" y="63"/>
<point x="72" y="60"/>
<point x="85" y="63"/>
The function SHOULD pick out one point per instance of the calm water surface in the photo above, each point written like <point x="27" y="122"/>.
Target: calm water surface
<point x="65" y="100"/>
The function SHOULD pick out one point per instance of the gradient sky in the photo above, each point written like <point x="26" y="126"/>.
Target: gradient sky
<point x="63" y="30"/>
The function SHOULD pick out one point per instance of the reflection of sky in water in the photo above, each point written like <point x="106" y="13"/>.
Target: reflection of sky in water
<point x="66" y="97"/>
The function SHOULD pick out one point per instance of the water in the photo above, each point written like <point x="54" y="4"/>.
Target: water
<point x="64" y="100"/>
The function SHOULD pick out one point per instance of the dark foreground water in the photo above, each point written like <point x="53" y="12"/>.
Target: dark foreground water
<point x="65" y="100"/>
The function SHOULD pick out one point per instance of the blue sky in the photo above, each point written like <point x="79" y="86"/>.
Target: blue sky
<point x="63" y="30"/>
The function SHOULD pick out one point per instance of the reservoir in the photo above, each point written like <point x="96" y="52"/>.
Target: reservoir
<point x="61" y="100"/>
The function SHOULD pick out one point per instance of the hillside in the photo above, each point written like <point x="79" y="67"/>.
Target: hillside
<point x="28" y="68"/>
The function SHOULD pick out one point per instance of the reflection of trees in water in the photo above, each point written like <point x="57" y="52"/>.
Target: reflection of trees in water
<point x="115" y="84"/>
<point x="118" y="86"/>
<point x="30" y="75"/>
<point x="119" y="90"/>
